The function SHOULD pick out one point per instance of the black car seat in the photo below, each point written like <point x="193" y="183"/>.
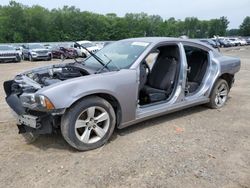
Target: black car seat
<point x="163" y="74"/>
<point x="197" y="62"/>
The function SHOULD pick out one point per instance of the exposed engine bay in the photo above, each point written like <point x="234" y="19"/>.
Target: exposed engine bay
<point x="21" y="91"/>
<point x="57" y="73"/>
<point x="33" y="80"/>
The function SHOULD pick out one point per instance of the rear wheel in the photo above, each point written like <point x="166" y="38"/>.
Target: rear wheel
<point x="88" y="124"/>
<point x="219" y="94"/>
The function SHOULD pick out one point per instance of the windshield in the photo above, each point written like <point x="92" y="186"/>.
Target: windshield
<point x="5" y="48"/>
<point x="36" y="46"/>
<point x="122" y="54"/>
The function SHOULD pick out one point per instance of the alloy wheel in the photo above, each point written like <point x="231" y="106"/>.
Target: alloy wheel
<point x="92" y="124"/>
<point x="221" y="95"/>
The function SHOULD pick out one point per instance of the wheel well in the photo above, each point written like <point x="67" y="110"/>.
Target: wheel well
<point x="115" y="104"/>
<point x="229" y="78"/>
<point x="112" y="100"/>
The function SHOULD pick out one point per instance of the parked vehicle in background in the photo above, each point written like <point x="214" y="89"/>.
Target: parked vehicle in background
<point x="230" y="42"/>
<point x="9" y="54"/>
<point x="127" y="82"/>
<point x="102" y="44"/>
<point x="248" y="41"/>
<point x="223" y="43"/>
<point x="36" y="52"/>
<point x="217" y="43"/>
<point x="64" y="51"/>
<point x="209" y="42"/>
<point x="107" y="43"/>
<point x="48" y="46"/>
<point x="243" y="42"/>
<point x="87" y="44"/>
<point x="235" y="41"/>
<point x="19" y="50"/>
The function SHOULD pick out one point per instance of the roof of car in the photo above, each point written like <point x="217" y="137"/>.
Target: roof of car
<point x="166" y="39"/>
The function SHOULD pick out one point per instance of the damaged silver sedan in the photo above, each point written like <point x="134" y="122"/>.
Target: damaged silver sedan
<point x="126" y="82"/>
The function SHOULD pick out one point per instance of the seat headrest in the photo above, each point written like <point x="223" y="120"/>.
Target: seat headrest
<point x="171" y="52"/>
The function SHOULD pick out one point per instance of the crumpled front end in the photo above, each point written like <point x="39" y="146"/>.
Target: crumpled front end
<point x="32" y="111"/>
<point x="36" y="113"/>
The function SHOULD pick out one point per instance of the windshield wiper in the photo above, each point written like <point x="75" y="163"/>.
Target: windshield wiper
<point x="105" y="66"/>
<point x="92" y="54"/>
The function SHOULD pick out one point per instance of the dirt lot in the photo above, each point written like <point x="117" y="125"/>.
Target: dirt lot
<point x="197" y="147"/>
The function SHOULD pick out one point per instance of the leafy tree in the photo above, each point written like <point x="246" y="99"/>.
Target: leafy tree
<point x="20" y="23"/>
<point x="233" y="32"/>
<point x="245" y="27"/>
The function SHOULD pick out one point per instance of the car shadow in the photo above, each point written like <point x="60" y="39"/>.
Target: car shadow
<point x="52" y="141"/>
<point x="56" y="141"/>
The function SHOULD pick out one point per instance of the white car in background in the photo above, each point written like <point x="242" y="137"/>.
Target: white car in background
<point x="243" y="42"/>
<point x="235" y="41"/>
<point x="87" y="44"/>
<point x="19" y="49"/>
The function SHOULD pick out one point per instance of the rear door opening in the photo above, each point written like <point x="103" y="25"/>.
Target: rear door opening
<point x="197" y="64"/>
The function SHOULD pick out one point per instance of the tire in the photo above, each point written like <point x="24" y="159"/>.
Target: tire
<point x="30" y="58"/>
<point x="219" y="94"/>
<point x="19" y="59"/>
<point x="29" y="137"/>
<point x="88" y="133"/>
<point x="49" y="58"/>
<point x="84" y="55"/>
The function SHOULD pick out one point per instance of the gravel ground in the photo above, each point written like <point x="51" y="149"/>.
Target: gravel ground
<point x="197" y="147"/>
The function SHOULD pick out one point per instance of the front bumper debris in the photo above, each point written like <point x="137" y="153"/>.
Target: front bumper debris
<point x="29" y="120"/>
<point x="35" y="124"/>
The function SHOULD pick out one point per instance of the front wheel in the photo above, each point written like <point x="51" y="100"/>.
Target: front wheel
<point x="62" y="57"/>
<point x="30" y="58"/>
<point x="219" y="94"/>
<point x="84" y="55"/>
<point x="18" y="59"/>
<point x="49" y="58"/>
<point x="89" y="123"/>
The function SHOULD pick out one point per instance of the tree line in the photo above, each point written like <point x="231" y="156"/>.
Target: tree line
<point x="20" y="23"/>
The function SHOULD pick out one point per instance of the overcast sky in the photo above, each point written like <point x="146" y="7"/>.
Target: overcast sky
<point x="235" y="11"/>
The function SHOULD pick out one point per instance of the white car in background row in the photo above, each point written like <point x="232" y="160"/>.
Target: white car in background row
<point x="243" y="42"/>
<point x="9" y="54"/>
<point x="87" y="44"/>
<point x="238" y="42"/>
